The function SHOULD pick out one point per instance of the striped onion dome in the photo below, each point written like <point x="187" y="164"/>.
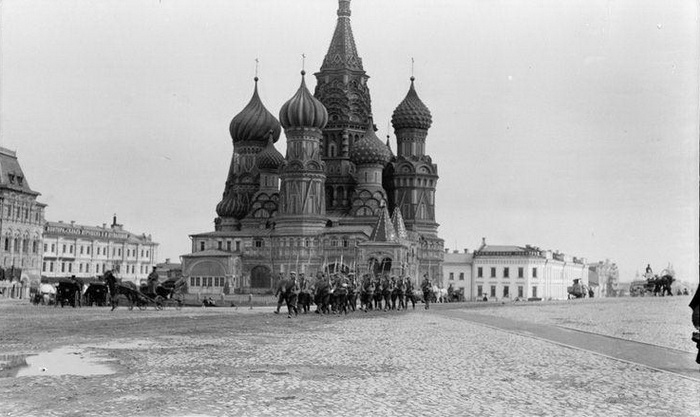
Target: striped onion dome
<point x="269" y="159"/>
<point x="303" y="110"/>
<point x="254" y="122"/>
<point x="369" y="149"/>
<point x="411" y="112"/>
<point x="232" y="206"/>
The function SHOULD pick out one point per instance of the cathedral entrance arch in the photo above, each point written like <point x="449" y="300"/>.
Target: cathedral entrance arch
<point x="380" y="265"/>
<point x="261" y="277"/>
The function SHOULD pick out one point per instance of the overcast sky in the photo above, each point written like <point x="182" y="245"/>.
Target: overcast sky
<point x="569" y="125"/>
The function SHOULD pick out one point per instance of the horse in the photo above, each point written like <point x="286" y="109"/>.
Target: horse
<point x="352" y="295"/>
<point x="439" y="294"/>
<point x="378" y="294"/>
<point x="116" y="288"/>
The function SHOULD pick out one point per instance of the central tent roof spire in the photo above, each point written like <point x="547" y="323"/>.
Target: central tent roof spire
<point x="342" y="54"/>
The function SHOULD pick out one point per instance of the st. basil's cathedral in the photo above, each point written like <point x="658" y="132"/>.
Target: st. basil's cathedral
<point x="340" y="200"/>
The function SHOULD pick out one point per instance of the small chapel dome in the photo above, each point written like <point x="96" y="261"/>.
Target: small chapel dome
<point x="254" y="122"/>
<point x="231" y="206"/>
<point x="369" y="149"/>
<point x="303" y="110"/>
<point x="269" y="159"/>
<point x="411" y="112"/>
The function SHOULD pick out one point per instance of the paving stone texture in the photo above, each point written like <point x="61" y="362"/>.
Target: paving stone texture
<point x="223" y="361"/>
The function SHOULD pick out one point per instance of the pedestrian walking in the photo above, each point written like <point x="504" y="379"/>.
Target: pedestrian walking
<point x="695" y="305"/>
<point x="250" y="301"/>
<point x="427" y="288"/>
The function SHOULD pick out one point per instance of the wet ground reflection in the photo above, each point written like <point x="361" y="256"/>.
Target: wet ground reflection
<point x="62" y="361"/>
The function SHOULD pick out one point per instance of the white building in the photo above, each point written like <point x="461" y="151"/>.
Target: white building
<point x="509" y="272"/>
<point x="457" y="271"/>
<point x="89" y="251"/>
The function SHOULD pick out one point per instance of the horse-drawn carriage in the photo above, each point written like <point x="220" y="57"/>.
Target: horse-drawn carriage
<point x="96" y="294"/>
<point x="69" y="292"/>
<point x="653" y="284"/>
<point x="169" y="293"/>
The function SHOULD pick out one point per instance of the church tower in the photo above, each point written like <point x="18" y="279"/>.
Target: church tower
<point x="302" y="205"/>
<point x="413" y="174"/>
<point x="342" y="88"/>
<point x="250" y="130"/>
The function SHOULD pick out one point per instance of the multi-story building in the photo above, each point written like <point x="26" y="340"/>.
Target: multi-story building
<point x="457" y="271"/>
<point x="89" y="251"/>
<point x="325" y="205"/>
<point x="524" y="272"/>
<point x="21" y="227"/>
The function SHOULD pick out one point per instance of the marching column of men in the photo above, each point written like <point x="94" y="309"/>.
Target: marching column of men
<point x="338" y="293"/>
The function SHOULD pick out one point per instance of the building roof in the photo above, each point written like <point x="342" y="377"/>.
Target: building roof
<point x="11" y="174"/>
<point x="384" y="230"/>
<point x="209" y="253"/>
<point x="411" y="112"/>
<point x="95" y="232"/>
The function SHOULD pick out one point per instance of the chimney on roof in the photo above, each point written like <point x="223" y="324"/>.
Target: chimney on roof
<point x="104" y="225"/>
<point x="455" y="251"/>
<point x="167" y="260"/>
<point x="447" y="250"/>
<point x="466" y="250"/>
<point x="114" y="220"/>
<point x="72" y="222"/>
<point x="483" y="241"/>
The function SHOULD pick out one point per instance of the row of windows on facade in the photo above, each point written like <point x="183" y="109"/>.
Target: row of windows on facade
<point x="85" y="250"/>
<point x="48" y="266"/>
<point x="207" y="281"/>
<point x="506" y="272"/>
<point x="452" y="276"/>
<point x="14" y="245"/>
<point x="260" y="243"/>
<point x="506" y="291"/>
<point x="20" y="213"/>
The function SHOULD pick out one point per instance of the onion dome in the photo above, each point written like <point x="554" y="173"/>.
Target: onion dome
<point x="369" y="149"/>
<point x="254" y="122"/>
<point x="411" y="113"/>
<point x="303" y="110"/>
<point x="231" y="206"/>
<point x="269" y="159"/>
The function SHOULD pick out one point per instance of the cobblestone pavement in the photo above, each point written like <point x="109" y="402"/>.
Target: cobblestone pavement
<point x="236" y="362"/>
<point x="661" y="321"/>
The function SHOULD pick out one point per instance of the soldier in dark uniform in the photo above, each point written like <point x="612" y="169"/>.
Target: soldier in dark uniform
<point x="281" y="292"/>
<point x="292" y="292"/>
<point x="340" y="290"/>
<point x="322" y="297"/>
<point x="409" y="293"/>
<point x="304" y="299"/>
<point x="352" y="292"/>
<point x="387" y="289"/>
<point x="401" y="293"/>
<point x="427" y="288"/>
<point x="111" y="282"/>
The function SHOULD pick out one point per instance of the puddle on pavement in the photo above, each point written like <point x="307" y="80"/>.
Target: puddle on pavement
<point x="62" y="361"/>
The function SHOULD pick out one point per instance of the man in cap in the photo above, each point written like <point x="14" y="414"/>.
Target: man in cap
<point x="427" y="288"/>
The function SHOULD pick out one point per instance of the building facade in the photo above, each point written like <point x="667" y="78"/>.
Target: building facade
<point x="21" y="228"/>
<point x="88" y="251"/>
<point x="325" y="206"/>
<point x="457" y="270"/>
<point x="510" y="272"/>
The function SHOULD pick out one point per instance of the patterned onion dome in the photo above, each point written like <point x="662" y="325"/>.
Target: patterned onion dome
<point x="411" y="113"/>
<point x="269" y="159"/>
<point x="254" y="122"/>
<point x="303" y="110"/>
<point x="231" y="206"/>
<point x="369" y="149"/>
